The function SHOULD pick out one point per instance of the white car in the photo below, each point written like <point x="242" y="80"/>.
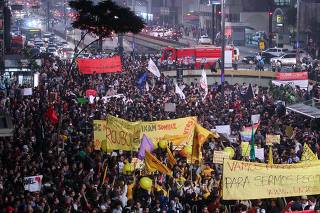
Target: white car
<point x="276" y="51"/>
<point x="53" y="51"/>
<point x="204" y="40"/>
<point x="286" y="59"/>
<point x="302" y="54"/>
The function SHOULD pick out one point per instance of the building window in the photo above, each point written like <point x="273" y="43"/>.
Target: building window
<point x="282" y="2"/>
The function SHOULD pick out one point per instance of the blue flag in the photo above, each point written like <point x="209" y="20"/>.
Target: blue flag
<point x="142" y="79"/>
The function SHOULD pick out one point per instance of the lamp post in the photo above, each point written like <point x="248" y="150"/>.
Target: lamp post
<point x="222" y="44"/>
<point x="214" y="4"/>
<point x="298" y="33"/>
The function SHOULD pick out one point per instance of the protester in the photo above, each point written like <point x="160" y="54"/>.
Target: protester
<point x="57" y="143"/>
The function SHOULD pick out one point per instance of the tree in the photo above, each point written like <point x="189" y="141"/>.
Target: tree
<point x="102" y="19"/>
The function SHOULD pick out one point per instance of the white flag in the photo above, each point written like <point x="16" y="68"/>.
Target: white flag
<point x="91" y="99"/>
<point x="179" y="92"/>
<point x="147" y="87"/>
<point x="204" y="82"/>
<point x="33" y="183"/>
<point x="152" y="67"/>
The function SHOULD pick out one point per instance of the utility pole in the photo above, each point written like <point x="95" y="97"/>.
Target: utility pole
<point x="133" y="35"/>
<point x="48" y="15"/>
<point x="298" y="33"/>
<point x="182" y="12"/>
<point x="213" y="22"/>
<point x="65" y="18"/>
<point x="222" y="45"/>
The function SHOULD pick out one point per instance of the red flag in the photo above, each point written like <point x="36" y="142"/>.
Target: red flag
<point x="52" y="115"/>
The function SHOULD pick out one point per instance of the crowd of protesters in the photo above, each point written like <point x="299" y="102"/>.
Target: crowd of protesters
<point x="73" y="172"/>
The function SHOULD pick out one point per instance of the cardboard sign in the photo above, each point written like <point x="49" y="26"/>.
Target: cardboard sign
<point x="272" y="139"/>
<point x="26" y="91"/>
<point x="223" y="129"/>
<point x="218" y="156"/>
<point x="169" y="107"/>
<point x="259" y="153"/>
<point x="33" y="183"/>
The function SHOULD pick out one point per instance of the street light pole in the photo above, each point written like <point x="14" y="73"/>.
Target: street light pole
<point x="213" y="23"/>
<point x="222" y="45"/>
<point x="298" y="33"/>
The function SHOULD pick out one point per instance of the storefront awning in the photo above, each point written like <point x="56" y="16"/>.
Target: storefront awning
<point x="310" y="108"/>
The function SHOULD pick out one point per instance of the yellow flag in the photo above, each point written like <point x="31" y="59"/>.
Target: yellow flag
<point x="270" y="161"/>
<point x="307" y="154"/>
<point x="165" y="193"/>
<point x="176" y="139"/>
<point x="153" y="164"/>
<point x="171" y="159"/>
<point x="200" y="136"/>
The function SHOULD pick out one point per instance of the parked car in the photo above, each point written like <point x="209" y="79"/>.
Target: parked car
<point x="276" y="51"/>
<point x="286" y="59"/>
<point x="302" y="53"/>
<point x="267" y="57"/>
<point x="250" y="59"/>
<point x="204" y="40"/>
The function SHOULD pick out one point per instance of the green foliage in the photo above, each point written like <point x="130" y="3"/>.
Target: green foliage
<point x="105" y="18"/>
<point x="284" y="93"/>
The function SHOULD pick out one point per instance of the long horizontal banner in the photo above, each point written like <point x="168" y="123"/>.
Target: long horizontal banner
<point x="245" y="181"/>
<point x="179" y="131"/>
<point x="119" y="134"/>
<point x="288" y="76"/>
<point x="99" y="65"/>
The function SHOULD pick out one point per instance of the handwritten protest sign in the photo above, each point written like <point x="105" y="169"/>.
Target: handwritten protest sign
<point x="32" y="183"/>
<point x="245" y="149"/>
<point x="169" y="107"/>
<point x="259" y="153"/>
<point x="272" y="139"/>
<point x="122" y="134"/>
<point x="245" y="180"/>
<point x="99" y="133"/>
<point x="218" y="156"/>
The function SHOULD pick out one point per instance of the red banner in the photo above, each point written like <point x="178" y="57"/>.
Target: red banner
<point x="288" y="76"/>
<point x="101" y="65"/>
<point x="91" y="92"/>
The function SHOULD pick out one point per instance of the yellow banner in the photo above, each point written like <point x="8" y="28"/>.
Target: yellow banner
<point x="182" y="128"/>
<point x="99" y="134"/>
<point x="122" y="134"/>
<point x="245" y="181"/>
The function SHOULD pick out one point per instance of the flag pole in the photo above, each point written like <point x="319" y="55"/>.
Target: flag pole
<point x="252" y="151"/>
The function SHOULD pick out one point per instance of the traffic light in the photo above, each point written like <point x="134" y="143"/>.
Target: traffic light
<point x="270" y="13"/>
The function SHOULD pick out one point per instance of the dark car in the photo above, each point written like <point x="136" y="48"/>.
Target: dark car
<point x="267" y="57"/>
<point x="249" y="59"/>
